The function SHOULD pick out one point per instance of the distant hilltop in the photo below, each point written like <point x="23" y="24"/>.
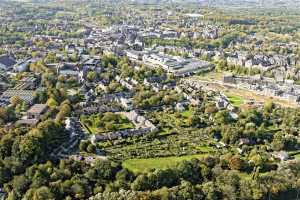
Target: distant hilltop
<point x="235" y="3"/>
<point x="210" y="3"/>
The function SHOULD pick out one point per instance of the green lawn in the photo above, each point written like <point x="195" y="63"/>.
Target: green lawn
<point x="235" y="100"/>
<point x="294" y="154"/>
<point x="97" y="124"/>
<point x="205" y="149"/>
<point x="143" y="165"/>
<point x="297" y="157"/>
<point x="213" y="75"/>
<point x="187" y="113"/>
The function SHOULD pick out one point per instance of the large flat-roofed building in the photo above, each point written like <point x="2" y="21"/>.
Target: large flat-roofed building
<point x="160" y="60"/>
<point x="190" y="67"/>
<point x="177" y="65"/>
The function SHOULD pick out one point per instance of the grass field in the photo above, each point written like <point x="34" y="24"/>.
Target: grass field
<point x="96" y="125"/>
<point x="250" y="95"/>
<point x="117" y="127"/>
<point x="187" y="113"/>
<point x="294" y="154"/>
<point x="235" y="100"/>
<point x="144" y="165"/>
<point x="213" y="75"/>
<point x="297" y="156"/>
<point x="205" y="149"/>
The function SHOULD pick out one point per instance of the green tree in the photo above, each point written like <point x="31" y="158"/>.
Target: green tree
<point x="92" y="75"/>
<point x="52" y="103"/>
<point x="15" y="100"/>
<point x="20" y="185"/>
<point x="236" y="163"/>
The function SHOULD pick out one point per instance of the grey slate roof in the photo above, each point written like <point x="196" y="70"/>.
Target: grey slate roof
<point x="7" y="61"/>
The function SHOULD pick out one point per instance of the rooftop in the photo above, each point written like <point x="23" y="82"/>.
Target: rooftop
<point x="7" y="61"/>
<point x="37" y="108"/>
<point x="25" y="95"/>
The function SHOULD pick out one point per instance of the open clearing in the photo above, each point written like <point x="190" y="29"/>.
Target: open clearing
<point x="144" y="165"/>
<point x="96" y="124"/>
<point x="235" y="100"/>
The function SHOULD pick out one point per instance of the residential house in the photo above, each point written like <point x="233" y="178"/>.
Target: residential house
<point x="33" y="115"/>
<point x="27" y="83"/>
<point x="210" y="33"/>
<point x="36" y="111"/>
<point x="22" y="66"/>
<point x="68" y="69"/>
<point x="125" y="102"/>
<point x="134" y="55"/>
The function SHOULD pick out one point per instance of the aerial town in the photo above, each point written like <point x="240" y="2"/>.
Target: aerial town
<point x="149" y="100"/>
